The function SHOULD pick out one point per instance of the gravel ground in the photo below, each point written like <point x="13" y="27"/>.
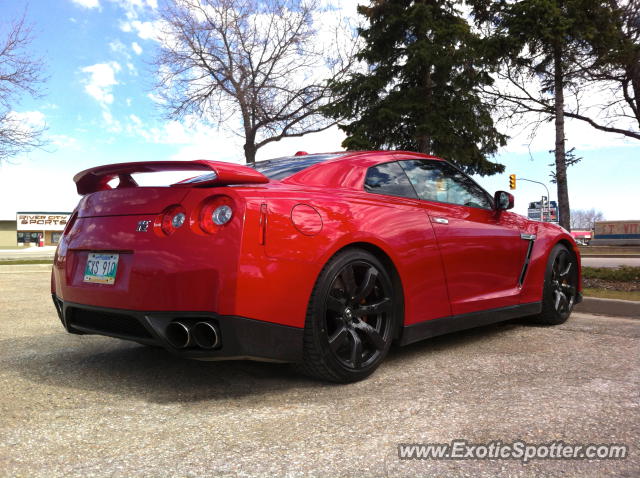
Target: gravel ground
<point x="94" y="406"/>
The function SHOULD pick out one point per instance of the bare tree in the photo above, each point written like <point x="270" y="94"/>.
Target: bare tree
<point x="585" y="218"/>
<point x="256" y="67"/>
<point x="611" y="69"/>
<point x="20" y="73"/>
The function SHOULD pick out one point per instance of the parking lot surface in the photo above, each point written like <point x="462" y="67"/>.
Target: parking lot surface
<point x="94" y="406"/>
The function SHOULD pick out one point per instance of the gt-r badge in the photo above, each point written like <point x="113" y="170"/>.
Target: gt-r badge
<point x="143" y="226"/>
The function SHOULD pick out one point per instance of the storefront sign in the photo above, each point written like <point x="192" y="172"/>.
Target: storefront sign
<point x="33" y="221"/>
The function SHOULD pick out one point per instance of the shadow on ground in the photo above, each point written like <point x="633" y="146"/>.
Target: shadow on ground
<point x="120" y="368"/>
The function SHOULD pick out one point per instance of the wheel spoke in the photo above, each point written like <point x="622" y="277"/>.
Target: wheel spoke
<point x="562" y="261"/>
<point x="371" y="334"/>
<point x="558" y="298"/>
<point x="368" y="282"/>
<point x="566" y="271"/>
<point x="356" y="349"/>
<point x="563" y="301"/>
<point x="349" y="280"/>
<point x="379" y="307"/>
<point x="338" y="338"/>
<point x="335" y="305"/>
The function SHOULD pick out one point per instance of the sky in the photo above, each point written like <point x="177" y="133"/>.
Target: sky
<point x="100" y="107"/>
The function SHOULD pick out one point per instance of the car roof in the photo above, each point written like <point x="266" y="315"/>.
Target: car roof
<point x="348" y="169"/>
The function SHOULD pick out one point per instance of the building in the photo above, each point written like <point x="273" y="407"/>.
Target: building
<point x="31" y="228"/>
<point x="548" y="211"/>
<point x="616" y="233"/>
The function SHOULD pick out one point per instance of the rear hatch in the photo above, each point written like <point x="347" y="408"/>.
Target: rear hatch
<point x="117" y="253"/>
<point x="130" y="201"/>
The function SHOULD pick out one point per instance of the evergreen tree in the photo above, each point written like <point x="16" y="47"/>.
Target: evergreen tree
<point x="422" y="88"/>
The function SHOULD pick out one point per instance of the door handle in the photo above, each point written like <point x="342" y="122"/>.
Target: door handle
<point x="440" y="220"/>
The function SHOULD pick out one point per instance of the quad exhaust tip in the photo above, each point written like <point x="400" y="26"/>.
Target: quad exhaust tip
<point x="205" y="335"/>
<point x="181" y="335"/>
<point x="178" y="335"/>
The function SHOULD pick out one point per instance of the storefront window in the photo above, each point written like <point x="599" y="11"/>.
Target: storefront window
<point x="21" y="237"/>
<point x="55" y="237"/>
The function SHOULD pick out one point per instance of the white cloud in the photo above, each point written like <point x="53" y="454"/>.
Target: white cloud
<point x="326" y="141"/>
<point x="63" y="141"/>
<point x="87" y="3"/>
<point x="146" y="30"/>
<point x="132" y="69"/>
<point x="136" y="48"/>
<point x="578" y="135"/>
<point x="102" y="78"/>
<point x="113" y="125"/>
<point x="135" y="119"/>
<point x="117" y="46"/>
<point x="156" y="98"/>
<point x="28" y="119"/>
<point x="134" y="5"/>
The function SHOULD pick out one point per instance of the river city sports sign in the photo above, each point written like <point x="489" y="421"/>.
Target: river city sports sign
<point x="33" y="221"/>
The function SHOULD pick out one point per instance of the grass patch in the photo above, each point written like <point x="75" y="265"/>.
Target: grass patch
<point x="612" y="294"/>
<point x="26" y="261"/>
<point x="612" y="274"/>
<point x="606" y="250"/>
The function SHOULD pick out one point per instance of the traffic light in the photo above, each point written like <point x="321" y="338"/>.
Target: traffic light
<point x="512" y="181"/>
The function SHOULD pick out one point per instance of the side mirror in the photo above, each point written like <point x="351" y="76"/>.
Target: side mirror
<point x="503" y="200"/>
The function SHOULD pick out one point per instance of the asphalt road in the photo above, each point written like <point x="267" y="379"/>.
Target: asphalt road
<point x="94" y="406"/>
<point x="610" y="261"/>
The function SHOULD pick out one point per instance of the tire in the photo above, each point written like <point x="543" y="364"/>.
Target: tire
<point x="560" y="287"/>
<point x="351" y="318"/>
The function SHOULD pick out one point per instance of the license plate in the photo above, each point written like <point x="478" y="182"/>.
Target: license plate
<point x="101" y="268"/>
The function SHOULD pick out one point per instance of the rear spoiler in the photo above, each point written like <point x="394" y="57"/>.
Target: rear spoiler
<point x="220" y="174"/>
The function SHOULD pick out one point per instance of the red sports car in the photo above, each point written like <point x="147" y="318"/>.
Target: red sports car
<point x="323" y="260"/>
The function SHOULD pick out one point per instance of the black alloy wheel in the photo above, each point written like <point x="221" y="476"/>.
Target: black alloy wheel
<point x="563" y="283"/>
<point x="351" y="318"/>
<point x="560" y="287"/>
<point x="357" y="315"/>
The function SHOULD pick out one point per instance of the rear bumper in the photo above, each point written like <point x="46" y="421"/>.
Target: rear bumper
<point x="240" y="337"/>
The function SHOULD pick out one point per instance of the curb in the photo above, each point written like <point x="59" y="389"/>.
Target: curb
<point x="615" y="307"/>
<point x="612" y="256"/>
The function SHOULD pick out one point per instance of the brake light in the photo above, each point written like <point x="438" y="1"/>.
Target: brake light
<point x="171" y="219"/>
<point x="215" y="213"/>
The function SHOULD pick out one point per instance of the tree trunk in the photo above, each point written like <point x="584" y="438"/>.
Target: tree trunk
<point x="250" y="148"/>
<point x="423" y="140"/>
<point x="424" y="144"/>
<point x="561" y="166"/>
<point x="249" y="153"/>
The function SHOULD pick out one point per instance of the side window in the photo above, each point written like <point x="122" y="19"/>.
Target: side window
<point x="441" y="182"/>
<point x="390" y="179"/>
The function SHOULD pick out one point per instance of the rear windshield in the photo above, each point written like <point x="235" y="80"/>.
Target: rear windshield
<point x="281" y="168"/>
<point x="278" y="168"/>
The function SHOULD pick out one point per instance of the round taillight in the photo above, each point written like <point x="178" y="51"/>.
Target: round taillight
<point x="215" y="213"/>
<point x="173" y="218"/>
<point x="222" y="215"/>
<point x="178" y="220"/>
